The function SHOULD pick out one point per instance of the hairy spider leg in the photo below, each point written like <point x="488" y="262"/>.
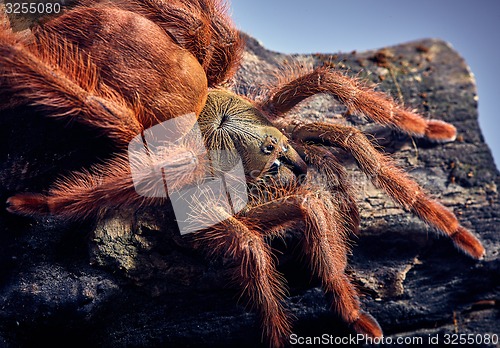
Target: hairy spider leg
<point x="357" y="96"/>
<point x="325" y="246"/>
<point x="243" y="242"/>
<point x="89" y="193"/>
<point x="335" y="178"/>
<point x="385" y="174"/>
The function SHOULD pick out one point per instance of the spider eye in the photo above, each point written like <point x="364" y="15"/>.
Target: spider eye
<point x="269" y="144"/>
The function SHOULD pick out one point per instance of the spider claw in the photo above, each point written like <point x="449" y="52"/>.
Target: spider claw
<point x="27" y="204"/>
<point x="468" y="243"/>
<point x="367" y="325"/>
<point x="440" y="131"/>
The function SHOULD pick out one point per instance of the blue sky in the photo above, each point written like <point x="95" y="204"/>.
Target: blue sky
<point x="472" y="27"/>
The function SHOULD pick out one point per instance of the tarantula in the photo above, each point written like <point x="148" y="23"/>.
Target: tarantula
<point x="124" y="66"/>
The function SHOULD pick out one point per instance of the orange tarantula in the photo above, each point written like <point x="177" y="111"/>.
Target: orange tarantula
<point x="124" y="66"/>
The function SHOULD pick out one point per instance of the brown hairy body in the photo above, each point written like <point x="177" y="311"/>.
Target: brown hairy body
<point x="121" y="67"/>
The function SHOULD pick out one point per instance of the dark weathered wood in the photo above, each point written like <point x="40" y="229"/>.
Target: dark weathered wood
<point x="131" y="280"/>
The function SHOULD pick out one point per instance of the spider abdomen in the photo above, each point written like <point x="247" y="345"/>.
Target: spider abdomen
<point x="151" y="72"/>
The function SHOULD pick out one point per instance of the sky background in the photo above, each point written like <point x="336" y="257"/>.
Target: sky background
<point x="472" y="27"/>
